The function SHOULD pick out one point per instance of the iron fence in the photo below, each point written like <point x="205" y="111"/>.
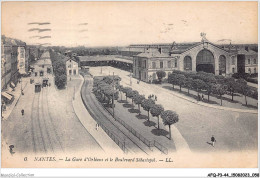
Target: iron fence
<point x="109" y="133"/>
<point x="133" y="131"/>
<point x="160" y="147"/>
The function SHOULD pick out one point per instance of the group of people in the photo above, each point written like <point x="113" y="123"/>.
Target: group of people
<point x="153" y="97"/>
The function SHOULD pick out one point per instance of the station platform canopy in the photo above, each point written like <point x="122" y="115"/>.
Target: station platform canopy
<point x="114" y="58"/>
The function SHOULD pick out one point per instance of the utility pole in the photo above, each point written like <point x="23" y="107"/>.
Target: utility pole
<point x="124" y="143"/>
<point x="130" y="78"/>
<point x="5" y="75"/>
<point x="74" y="94"/>
<point x="21" y="86"/>
<point x="113" y="97"/>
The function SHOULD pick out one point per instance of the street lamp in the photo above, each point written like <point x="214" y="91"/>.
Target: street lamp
<point x="21" y="86"/>
<point x="113" y="97"/>
<point x="74" y="94"/>
<point x="130" y="78"/>
<point x="5" y="74"/>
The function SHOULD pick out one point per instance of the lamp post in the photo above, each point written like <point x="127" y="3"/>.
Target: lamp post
<point x="113" y="97"/>
<point x="130" y="78"/>
<point x="5" y="74"/>
<point x="74" y="94"/>
<point x="21" y="86"/>
<point x="124" y="143"/>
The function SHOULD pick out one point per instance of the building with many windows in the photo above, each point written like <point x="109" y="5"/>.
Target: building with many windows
<point x="9" y="62"/>
<point x="248" y="61"/>
<point x="9" y="67"/>
<point x="145" y="65"/>
<point x="200" y="56"/>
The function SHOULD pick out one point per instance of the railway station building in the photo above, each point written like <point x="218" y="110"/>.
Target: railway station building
<point x="200" y="56"/>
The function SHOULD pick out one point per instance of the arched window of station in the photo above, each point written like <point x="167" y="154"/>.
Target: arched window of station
<point x="222" y="64"/>
<point x="187" y="63"/>
<point x="205" y="61"/>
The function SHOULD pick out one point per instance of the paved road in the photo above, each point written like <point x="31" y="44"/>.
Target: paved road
<point x="49" y="124"/>
<point x="131" y="142"/>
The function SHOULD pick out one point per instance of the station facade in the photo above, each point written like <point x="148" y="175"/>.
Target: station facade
<point x="201" y="56"/>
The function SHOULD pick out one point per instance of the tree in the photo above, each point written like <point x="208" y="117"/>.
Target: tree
<point x="220" y="79"/>
<point x="188" y="84"/>
<point x="127" y="91"/>
<point x="172" y="79"/>
<point x="108" y="80"/>
<point x="231" y="85"/>
<point x="156" y="110"/>
<point x="160" y="74"/>
<point x="181" y="80"/>
<point x="60" y="81"/>
<point x="169" y="117"/>
<point x="198" y="85"/>
<point x="243" y="88"/>
<point x="220" y="89"/>
<point x="133" y="94"/>
<point x="130" y="94"/>
<point x="147" y="104"/>
<point x="138" y="100"/>
<point x="110" y="93"/>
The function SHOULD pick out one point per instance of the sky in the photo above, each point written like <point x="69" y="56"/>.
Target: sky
<point x="123" y="23"/>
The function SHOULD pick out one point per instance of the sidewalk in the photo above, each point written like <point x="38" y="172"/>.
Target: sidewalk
<point x="205" y="104"/>
<point x="107" y="144"/>
<point x="17" y="95"/>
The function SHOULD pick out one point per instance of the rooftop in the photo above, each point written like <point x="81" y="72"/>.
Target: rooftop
<point x="105" y="58"/>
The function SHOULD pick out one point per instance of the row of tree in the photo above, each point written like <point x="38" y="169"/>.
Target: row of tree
<point x="59" y="69"/>
<point x="169" y="117"/>
<point x="104" y="86"/>
<point x="210" y="83"/>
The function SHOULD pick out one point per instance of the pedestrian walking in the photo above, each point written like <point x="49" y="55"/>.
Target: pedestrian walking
<point x="97" y="126"/>
<point x="213" y="140"/>
<point x="202" y="97"/>
<point x="22" y="111"/>
<point x="198" y="97"/>
<point x="155" y="98"/>
<point x="11" y="149"/>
